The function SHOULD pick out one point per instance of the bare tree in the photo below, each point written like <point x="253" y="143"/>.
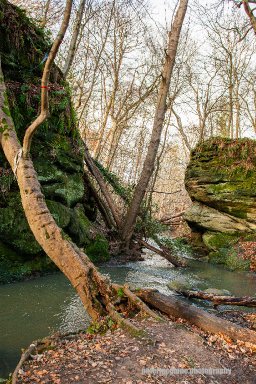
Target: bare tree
<point x="148" y="167"/>
<point x="249" y="8"/>
<point x="73" y="42"/>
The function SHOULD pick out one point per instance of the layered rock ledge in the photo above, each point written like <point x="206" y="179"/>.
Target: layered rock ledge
<point x="221" y="181"/>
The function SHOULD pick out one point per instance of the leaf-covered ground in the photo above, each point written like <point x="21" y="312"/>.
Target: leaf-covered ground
<point x="117" y="357"/>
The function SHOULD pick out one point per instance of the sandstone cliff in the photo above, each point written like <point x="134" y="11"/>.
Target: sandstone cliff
<point x="221" y="181"/>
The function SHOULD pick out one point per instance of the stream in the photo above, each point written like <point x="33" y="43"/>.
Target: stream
<point x="36" y="308"/>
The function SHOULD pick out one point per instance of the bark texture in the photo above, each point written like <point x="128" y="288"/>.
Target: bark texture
<point x="173" y="306"/>
<point x="73" y="42"/>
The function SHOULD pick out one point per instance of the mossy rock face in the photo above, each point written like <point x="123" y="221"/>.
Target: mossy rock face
<point x="222" y="175"/>
<point x="230" y="258"/>
<point x="221" y="181"/>
<point x="80" y="226"/>
<point x="56" y="150"/>
<point x="217" y="240"/>
<point x="14" y="229"/>
<point x="11" y="270"/>
<point x="70" y="190"/>
<point x="61" y="214"/>
<point x="98" y="250"/>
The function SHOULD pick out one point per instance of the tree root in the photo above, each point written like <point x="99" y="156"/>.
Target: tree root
<point x="136" y="301"/>
<point x="124" y="323"/>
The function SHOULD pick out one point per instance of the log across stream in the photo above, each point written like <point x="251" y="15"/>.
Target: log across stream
<point x="36" y="308"/>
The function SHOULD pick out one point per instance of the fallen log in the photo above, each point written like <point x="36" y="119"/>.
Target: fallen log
<point x="218" y="299"/>
<point x="175" y="260"/>
<point x="174" y="306"/>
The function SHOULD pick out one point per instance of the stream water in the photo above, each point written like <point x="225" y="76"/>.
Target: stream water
<point x="35" y="308"/>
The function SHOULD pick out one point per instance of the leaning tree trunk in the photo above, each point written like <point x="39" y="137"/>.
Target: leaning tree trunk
<point x="97" y="294"/>
<point x="148" y="167"/>
<point x="92" y="287"/>
<point x="73" y="42"/>
<point x="249" y="11"/>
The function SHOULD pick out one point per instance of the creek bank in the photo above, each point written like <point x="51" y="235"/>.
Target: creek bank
<point x="116" y="357"/>
<point x="221" y="181"/>
<point x="37" y="307"/>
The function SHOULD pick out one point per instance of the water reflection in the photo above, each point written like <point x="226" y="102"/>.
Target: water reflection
<point x="33" y="309"/>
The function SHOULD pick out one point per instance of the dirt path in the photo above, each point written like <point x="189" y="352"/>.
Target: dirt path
<point x="119" y="358"/>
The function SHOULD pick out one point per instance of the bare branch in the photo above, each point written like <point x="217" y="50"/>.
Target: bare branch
<point x="44" y="114"/>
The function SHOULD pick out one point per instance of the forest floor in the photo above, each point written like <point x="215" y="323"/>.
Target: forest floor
<point x="116" y="357"/>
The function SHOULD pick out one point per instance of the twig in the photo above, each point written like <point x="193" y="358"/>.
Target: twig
<point x="24" y="357"/>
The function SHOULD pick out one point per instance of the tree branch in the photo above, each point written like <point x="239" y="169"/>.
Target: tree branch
<point x="44" y="114"/>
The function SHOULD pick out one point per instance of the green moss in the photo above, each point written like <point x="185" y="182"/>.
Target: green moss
<point x="7" y="253"/>
<point x="179" y="246"/>
<point x="223" y="250"/>
<point x="236" y="263"/>
<point x="56" y="150"/>
<point x="100" y="327"/>
<point x="120" y="292"/>
<point x="69" y="191"/>
<point x="98" y="249"/>
<point x="230" y="259"/>
<point x="14" y="229"/>
<point x="222" y="174"/>
<point x="217" y="240"/>
<point x="80" y="226"/>
<point x="15" y="270"/>
<point x="60" y="213"/>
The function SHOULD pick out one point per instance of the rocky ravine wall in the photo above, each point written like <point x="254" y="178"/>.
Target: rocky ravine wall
<point x="55" y="151"/>
<point x="221" y="181"/>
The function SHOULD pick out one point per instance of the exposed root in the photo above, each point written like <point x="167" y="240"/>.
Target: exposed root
<point x="124" y="323"/>
<point x="137" y="301"/>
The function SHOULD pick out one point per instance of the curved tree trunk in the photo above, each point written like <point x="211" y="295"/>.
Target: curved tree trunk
<point x="92" y="287"/>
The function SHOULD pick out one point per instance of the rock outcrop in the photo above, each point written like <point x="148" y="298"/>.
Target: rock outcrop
<point x="55" y="151"/>
<point x="221" y="181"/>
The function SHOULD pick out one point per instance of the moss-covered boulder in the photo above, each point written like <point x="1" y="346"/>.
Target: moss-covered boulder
<point x="56" y="152"/>
<point x="221" y="181"/>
